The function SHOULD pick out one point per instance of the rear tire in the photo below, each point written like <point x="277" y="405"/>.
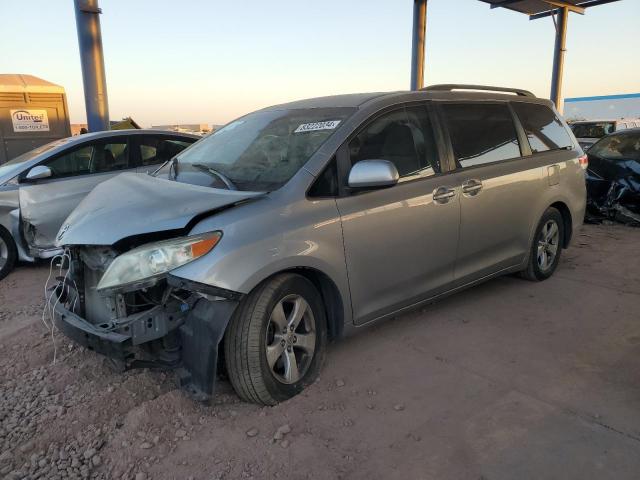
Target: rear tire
<point x="8" y="253"/>
<point x="546" y="247"/>
<point x="267" y="360"/>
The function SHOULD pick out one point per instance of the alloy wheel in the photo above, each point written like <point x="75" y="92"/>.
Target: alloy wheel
<point x="4" y="253"/>
<point x="290" y="339"/>
<point x="548" y="244"/>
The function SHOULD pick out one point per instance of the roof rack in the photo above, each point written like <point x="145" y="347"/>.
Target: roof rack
<point x="448" y="87"/>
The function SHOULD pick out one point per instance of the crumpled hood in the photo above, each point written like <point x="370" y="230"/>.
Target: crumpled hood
<point x="133" y="204"/>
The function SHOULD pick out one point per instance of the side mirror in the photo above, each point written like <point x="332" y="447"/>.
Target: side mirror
<point x="38" y="172"/>
<point x="373" y="174"/>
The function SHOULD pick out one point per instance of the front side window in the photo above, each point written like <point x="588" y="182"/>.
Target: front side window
<point x="94" y="158"/>
<point x="403" y="137"/>
<point x="12" y="166"/>
<point x="481" y="133"/>
<point x="73" y="163"/>
<point x="260" y="151"/>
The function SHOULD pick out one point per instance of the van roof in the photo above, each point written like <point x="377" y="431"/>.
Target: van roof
<point x="450" y="92"/>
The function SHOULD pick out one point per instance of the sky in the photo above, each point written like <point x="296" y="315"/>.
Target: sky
<point x="211" y="61"/>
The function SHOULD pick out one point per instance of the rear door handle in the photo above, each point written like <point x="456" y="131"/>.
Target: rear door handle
<point x="471" y="187"/>
<point x="443" y="194"/>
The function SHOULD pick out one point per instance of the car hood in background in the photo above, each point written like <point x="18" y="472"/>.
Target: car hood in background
<point x="135" y="204"/>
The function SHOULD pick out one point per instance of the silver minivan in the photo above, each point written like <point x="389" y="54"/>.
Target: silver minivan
<point x="303" y="222"/>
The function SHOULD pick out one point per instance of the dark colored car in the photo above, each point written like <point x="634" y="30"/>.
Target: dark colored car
<point x="613" y="177"/>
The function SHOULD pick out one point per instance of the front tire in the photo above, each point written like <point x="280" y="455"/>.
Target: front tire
<point x="546" y="248"/>
<point x="8" y="253"/>
<point x="276" y="340"/>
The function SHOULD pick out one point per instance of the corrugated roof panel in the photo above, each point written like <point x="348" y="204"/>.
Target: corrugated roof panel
<point x="529" y="7"/>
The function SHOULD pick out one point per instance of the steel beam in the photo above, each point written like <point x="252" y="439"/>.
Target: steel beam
<point x="583" y="5"/>
<point x="417" y="44"/>
<point x="558" y="57"/>
<point x="92" y="62"/>
<point x="563" y="4"/>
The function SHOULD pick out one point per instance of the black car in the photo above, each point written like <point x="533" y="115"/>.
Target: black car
<point x="613" y="177"/>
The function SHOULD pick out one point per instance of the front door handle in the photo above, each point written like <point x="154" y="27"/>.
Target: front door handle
<point x="443" y="194"/>
<point x="471" y="187"/>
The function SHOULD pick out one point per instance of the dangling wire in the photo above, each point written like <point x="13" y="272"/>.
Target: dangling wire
<point x="49" y="309"/>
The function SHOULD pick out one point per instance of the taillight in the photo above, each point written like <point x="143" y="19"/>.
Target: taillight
<point x="584" y="161"/>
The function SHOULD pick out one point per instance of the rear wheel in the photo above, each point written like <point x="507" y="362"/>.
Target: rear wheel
<point x="276" y="340"/>
<point x="546" y="248"/>
<point x="8" y="253"/>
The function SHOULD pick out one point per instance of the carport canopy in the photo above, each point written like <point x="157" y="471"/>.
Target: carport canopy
<point x="543" y="8"/>
<point x="534" y="8"/>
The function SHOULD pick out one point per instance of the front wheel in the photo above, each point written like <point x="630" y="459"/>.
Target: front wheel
<point x="276" y="340"/>
<point x="8" y="253"/>
<point x="546" y="248"/>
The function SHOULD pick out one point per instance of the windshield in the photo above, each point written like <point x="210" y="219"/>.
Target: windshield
<point x="593" y="129"/>
<point x="624" y="146"/>
<point x="258" y="152"/>
<point x="14" y="164"/>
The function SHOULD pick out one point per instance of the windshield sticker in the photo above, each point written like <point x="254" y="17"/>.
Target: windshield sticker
<point x="312" y="127"/>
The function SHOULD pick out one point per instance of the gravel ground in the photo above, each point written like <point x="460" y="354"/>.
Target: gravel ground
<point x="507" y="380"/>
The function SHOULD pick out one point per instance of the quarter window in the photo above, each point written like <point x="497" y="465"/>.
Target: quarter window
<point x="481" y="133"/>
<point x="403" y="137"/>
<point x="326" y="184"/>
<point x="544" y="129"/>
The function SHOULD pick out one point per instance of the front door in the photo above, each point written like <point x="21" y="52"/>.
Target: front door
<point x="46" y="203"/>
<point x="400" y="242"/>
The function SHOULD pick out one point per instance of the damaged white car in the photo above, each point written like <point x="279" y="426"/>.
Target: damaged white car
<point x="40" y="188"/>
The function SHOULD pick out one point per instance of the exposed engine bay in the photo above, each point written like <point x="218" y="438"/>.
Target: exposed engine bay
<point x="160" y="322"/>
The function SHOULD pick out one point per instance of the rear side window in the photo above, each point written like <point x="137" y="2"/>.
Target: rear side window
<point x="481" y="133"/>
<point x="157" y="150"/>
<point x="543" y="128"/>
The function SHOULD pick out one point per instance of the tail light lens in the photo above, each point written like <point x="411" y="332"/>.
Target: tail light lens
<point x="584" y="161"/>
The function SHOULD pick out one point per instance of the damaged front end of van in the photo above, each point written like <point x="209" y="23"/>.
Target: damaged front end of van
<point x="118" y="296"/>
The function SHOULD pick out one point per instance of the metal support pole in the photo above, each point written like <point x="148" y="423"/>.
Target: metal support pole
<point x="417" y="47"/>
<point x="92" y="60"/>
<point x="558" y="57"/>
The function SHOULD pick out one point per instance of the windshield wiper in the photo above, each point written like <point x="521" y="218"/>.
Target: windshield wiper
<point x="207" y="169"/>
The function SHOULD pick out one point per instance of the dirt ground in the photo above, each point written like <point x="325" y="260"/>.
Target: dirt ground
<point x="508" y="380"/>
